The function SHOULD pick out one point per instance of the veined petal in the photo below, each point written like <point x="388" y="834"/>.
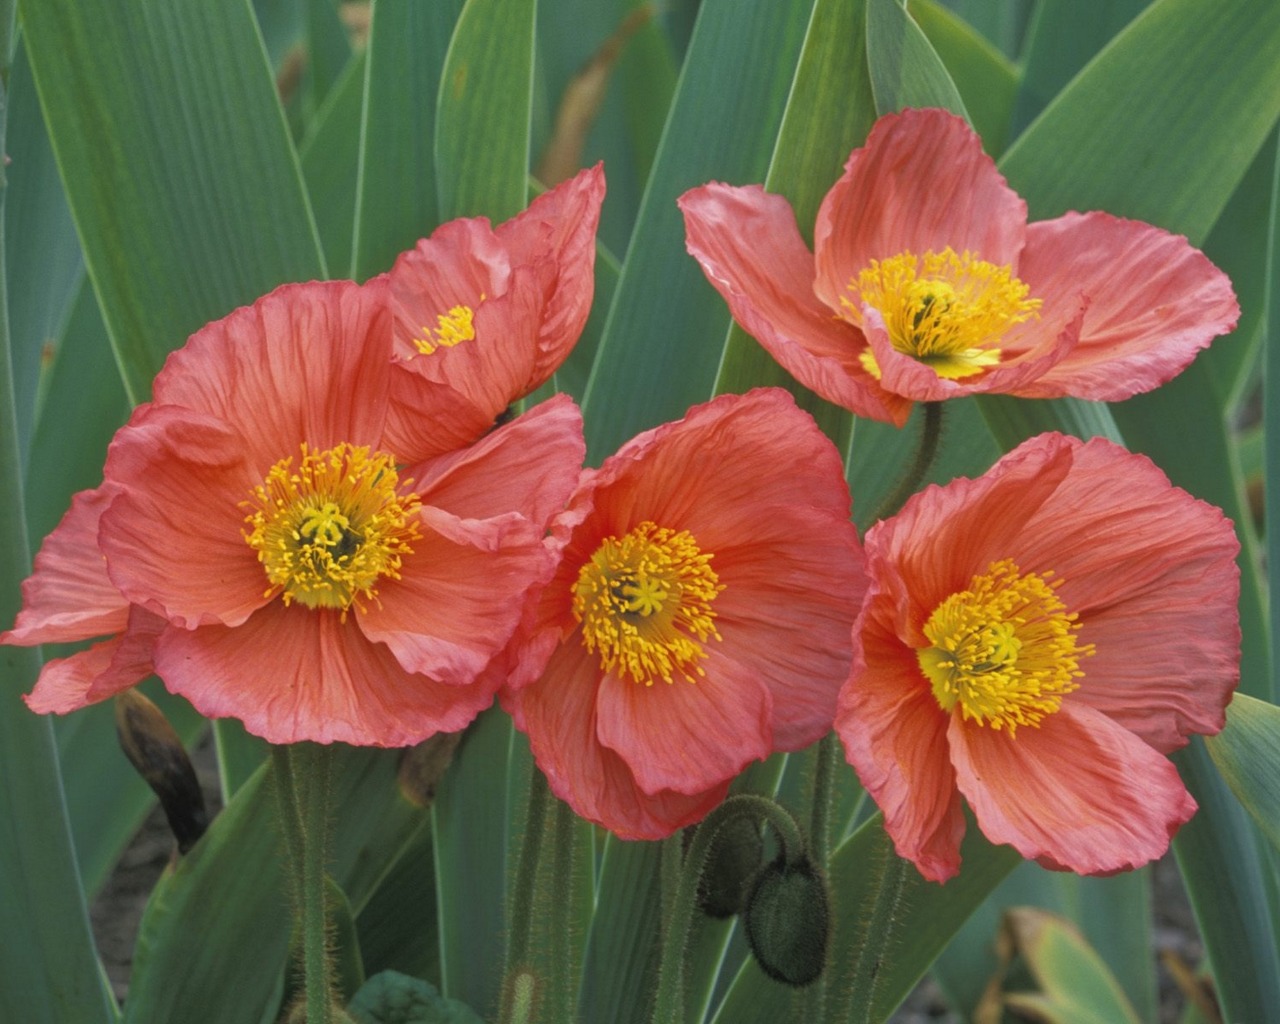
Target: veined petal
<point x="288" y="369"/>
<point x="537" y="457"/>
<point x="921" y="182"/>
<point x="894" y="735"/>
<point x="295" y="673"/>
<point x="558" y="231"/>
<point x="69" y="597"/>
<point x="427" y="418"/>
<point x="558" y="713"/>
<point x="689" y="735"/>
<point x="751" y="251"/>
<point x="174" y="531"/>
<point x="459" y="595"/>
<point x="1079" y="792"/>
<point x="1153" y="302"/>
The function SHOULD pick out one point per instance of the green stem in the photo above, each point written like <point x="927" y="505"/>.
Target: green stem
<point x="877" y="937"/>
<point x="926" y="452"/>
<point x="669" y="1005"/>
<point x="814" y="1004"/>
<point x="302" y="792"/>
<point x="516" y="995"/>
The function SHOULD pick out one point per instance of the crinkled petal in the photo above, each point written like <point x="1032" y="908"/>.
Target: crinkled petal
<point x="687" y="736"/>
<point x="558" y="713"/>
<point x="529" y="465"/>
<point x="459" y="596"/>
<point x="292" y="674"/>
<point x="427" y="418"/>
<point x="461" y="264"/>
<point x="1153" y="302"/>
<point x="173" y="533"/>
<point x="1079" y="792"/>
<point x="308" y="362"/>
<point x="69" y="597"/>
<point x="1152" y="573"/>
<point x="921" y="182"/>
<point x="558" y="232"/>
<point x="894" y="735"/>
<point x="748" y="245"/>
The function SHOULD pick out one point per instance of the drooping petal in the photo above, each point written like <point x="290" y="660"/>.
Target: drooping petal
<point x="459" y="595"/>
<point x="173" y="533"/>
<point x="68" y="596"/>
<point x="289" y="368"/>
<point x="294" y="673"/>
<point x="894" y="735"/>
<point x="751" y="251"/>
<point x="105" y="669"/>
<point x="687" y="736"/>
<point x="1079" y="793"/>
<point x="921" y="182"/>
<point x="537" y="457"/>
<point x="1153" y="301"/>
<point x="558" y="713"/>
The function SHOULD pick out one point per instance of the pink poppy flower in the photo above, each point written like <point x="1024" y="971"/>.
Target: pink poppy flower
<point x="493" y="312"/>
<point x="699" y="619"/>
<point x="292" y="535"/>
<point x="928" y="283"/>
<point x="1035" y="641"/>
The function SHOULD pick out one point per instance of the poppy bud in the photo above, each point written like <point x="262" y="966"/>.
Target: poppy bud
<point x="154" y="749"/>
<point x="732" y="863"/>
<point x="788" y="921"/>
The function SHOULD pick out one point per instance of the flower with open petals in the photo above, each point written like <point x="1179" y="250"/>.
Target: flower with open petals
<point x="291" y="535"/>
<point x="926" y="282"/>
<point x="493" y="312"/>
<point x="700" y="617"/>
<point x="1035" y="641"/>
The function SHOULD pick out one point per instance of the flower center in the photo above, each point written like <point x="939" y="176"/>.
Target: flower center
<point x="947" y="311"/>
<point x="452" y="328"/>
<point x="326" y="531"/>
<point x="1005" y="650"/>
<point x="644" y="601"/>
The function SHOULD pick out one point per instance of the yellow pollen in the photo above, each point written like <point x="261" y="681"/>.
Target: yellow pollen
<point x="452" y="328"/>
<point x="947" y="311"/>
<point x="1005" y="650"/>
<point x="328" y="530"/>
<point x="644" y="601"/>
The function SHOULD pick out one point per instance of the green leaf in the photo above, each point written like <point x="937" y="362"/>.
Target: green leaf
<point x="646" y="375"/>
<point x="397" y="202"/>
<point x="1075" y="985"/>
<point x="1247" y="753"/>
<point x="905" y="69"/>
<point x="985" y="79"/>
<point x="1163" y="124"/>
<point x="393" y="998"/>
<point x="829" y="112"/>
<point x="177" y="164"/>
<point x="482" y="120"/>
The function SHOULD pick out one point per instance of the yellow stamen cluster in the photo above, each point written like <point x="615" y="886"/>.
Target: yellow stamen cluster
<point x="1005" y="650"/>
<point x="644" y="601"/>
<point x="452" y="328"/>
<point x="948" y="311"/>
<point x="326" y="531"/>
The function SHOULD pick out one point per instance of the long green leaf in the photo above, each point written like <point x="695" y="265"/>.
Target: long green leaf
<point x="49" y="972"/>
<point x="1247" y="753"/>
<point x="482" y="118"/>
<point x="662" y="341"/>
<point x="905" y="69"/>
<point x="397" y="202"/>
<point x="177" y="164"/>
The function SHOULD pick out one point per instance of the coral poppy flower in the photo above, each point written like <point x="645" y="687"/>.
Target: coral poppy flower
<point x="1036" y="640"/>
<point x="700" y="617"/>
<point x="493" y="312"/>
<point x="291" y="535"/>
<point x="928" y="283"/>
